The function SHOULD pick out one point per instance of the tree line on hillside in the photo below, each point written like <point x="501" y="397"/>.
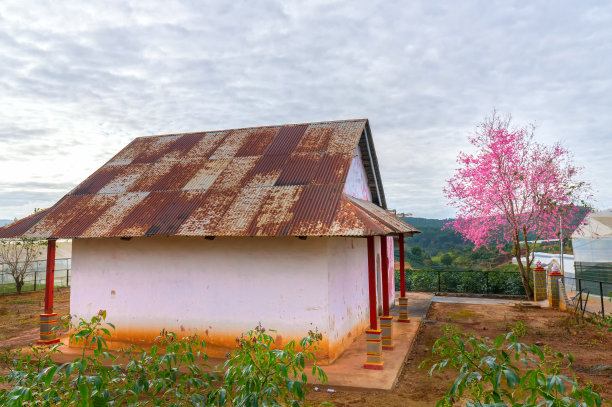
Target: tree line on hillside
<point x="439" y="247"/>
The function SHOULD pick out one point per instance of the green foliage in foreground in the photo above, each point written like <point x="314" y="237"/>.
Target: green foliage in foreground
<point x="172" y="373"/>
<point x="506" y="372"/>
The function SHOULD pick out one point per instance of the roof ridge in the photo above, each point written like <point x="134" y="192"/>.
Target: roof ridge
<point x="255" y="127"/>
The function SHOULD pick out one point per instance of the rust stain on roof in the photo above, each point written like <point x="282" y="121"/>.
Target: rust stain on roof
<point x="299" y="169"/>
<point x="154" y="150"/>
<point x="276" y="212"/>
<point x="203" y="220"/>
<point x="257" y="143"/>
<point x="206" y="175"/>
<point x="236" y="173"/>
<point x="267" y="181"/>
<point x="315" y="139"/>
<point x="114" y="215"/>
<point x="21" y="226"/>
<point x="206" y="145"/>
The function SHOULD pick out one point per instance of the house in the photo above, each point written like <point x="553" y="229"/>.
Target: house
<point x="592" y="244"/>
<point x="210" y="233"/>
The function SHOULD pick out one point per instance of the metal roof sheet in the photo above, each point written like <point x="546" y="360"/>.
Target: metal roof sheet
<point x="268" y="181"/>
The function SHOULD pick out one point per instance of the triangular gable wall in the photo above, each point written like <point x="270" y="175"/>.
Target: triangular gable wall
<point x="356" y="184"/>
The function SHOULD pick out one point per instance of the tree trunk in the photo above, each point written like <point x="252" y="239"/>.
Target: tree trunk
<point x="18" y="285"/>
<point x="524" y="271"/>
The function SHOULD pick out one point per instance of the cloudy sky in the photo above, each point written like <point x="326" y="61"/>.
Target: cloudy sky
<point x="79" y="80"/>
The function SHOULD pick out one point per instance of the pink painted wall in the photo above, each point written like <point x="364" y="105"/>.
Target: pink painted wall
<point x="357" y="181"/>
<point x="223" y="287"/>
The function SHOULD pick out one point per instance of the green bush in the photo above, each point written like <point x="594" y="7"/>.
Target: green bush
<point x="479" y="282"/>
<point x="173" y="372"/>
<point x="506" y="372"/>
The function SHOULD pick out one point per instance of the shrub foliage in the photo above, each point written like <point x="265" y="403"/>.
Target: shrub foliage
<point x="173" y="372"/>
<point x="506" y="372"/>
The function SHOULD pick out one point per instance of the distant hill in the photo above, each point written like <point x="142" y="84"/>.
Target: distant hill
<point x="417" y="222"/>
<point x="433" y="240"/>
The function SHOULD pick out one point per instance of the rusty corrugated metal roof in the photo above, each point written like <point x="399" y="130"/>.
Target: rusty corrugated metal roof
<point x="268" y="181"/>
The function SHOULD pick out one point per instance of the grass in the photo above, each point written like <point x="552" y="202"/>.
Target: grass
<point x="20" y="313"/>
<point x="463" y="314"/>
<point x="12" y="288"/>
<point x="22" y="301"/>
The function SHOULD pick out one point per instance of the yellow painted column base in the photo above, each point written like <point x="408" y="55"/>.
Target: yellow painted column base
<point x="374" y="359"/>
<point x="386" y="324"/>
<point x="403" y="310"/>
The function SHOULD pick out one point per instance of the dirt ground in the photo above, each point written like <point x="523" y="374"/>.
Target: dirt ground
<point x="19" y="315"/>
<point x="591" y="347"/>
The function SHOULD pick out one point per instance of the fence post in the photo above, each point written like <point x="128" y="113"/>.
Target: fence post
<point x="35" y="276"/>
<point x="487" y="282"/>
<point x="439" y="287"/>
<point x="67" y="275"/>
<point x="603" y="311"/>
<point x="580" y="292"/>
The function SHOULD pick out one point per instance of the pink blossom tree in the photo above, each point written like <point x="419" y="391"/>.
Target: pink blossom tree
<point x="513" y="187"/>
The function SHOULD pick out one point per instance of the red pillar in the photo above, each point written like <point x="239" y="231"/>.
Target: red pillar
<point x="403" y="301"/>
<point x="48" y="320"/>
<point x="401" y="260"/>
<point x="372" y="283"/>
<point x="385" y="275"/>
<point x="374" y="358"/>
<point x="50" y="277"/>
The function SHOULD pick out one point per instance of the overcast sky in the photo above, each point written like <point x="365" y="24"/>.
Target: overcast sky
<point x="79" y="80"/>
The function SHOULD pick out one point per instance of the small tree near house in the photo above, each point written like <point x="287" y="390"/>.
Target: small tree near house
<point x="514" y="190"/>
<point x="18" y="256"/>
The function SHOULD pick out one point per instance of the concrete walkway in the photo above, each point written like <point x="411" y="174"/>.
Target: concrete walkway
<point x="348" y="372"/>
<point x="475" y="301"/>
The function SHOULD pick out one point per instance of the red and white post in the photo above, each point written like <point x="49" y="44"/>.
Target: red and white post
<point x="373" y="335"/>
<point x="386" y="320"/>
<point x="403" y="300"/>
<point x="48" y="320"/>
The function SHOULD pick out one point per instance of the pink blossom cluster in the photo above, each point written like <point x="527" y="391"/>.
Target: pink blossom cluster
<point x="513" y="186"/>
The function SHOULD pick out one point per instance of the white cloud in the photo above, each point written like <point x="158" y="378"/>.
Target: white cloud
<point x="80" y="80"/>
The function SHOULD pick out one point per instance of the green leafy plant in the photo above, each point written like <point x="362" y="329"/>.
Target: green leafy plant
<point x="258" y="375"/>
<point x="172" y="372"/>
<point x="506" y="372"/>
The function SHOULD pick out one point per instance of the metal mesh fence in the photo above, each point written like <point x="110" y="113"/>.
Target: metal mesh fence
<point x="595" y="296"/>
<point x="35" y="277"/>
<point x="464" y="281"/>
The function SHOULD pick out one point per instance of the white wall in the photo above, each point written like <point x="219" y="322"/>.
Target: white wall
<point x="223" y="287"/>
<point x="593" y="249"/>
<point x="357" y="180"/>
<point x="215" y="288"/>
<point x="348" y="292"/>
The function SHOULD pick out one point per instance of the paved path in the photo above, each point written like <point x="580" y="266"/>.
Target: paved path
<point x="476" y="301"/>
<point x="418" y="304"/>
